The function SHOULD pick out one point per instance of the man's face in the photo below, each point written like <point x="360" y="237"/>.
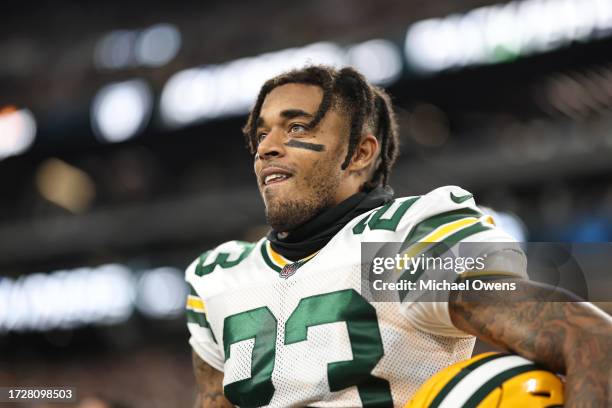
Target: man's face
<point x="298" y="169"/>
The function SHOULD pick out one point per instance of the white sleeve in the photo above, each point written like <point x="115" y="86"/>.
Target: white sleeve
<point x="206" y="349"/>
<point x="449" y="216"/>
<point x="202" y="338"/>
<point x="434" y="316"/>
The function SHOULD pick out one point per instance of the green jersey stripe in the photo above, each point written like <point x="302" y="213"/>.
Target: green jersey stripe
<point x="192" y="291"/>
<point x="267" y="259"/>
<point x="438" y="249"/>
<point x="200" y="320"/>
<point x="428" y="225"/>
<point x="197" y="318"/>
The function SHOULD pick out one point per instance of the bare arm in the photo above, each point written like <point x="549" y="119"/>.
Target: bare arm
<point x="567" y="336"/>
<point x="210" y="385"/>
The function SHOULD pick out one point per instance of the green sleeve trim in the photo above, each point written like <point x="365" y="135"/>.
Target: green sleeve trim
<point x="439" y="248"/>
<point x="200" y="320"/>
<point x="196" y="317"/>
<point x="192" y="291"/>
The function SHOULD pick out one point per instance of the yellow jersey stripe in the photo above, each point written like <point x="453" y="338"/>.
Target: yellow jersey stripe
<point x="196" y="304"/>
<point x="439" y="234"/>
<point x="275" y="256"/>
<point x="280" y="260"/>
<point x="447" y="229"/>
<point x="308" y="257"/>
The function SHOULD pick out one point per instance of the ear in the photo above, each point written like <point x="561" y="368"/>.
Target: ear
<point x="365" y="155"/>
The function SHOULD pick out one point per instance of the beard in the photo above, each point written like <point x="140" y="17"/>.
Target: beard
<point x="290" y="214"/>
<point x="285" y="213"/>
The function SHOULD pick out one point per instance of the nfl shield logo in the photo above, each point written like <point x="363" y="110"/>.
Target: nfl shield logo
<point x="289" y="269"/>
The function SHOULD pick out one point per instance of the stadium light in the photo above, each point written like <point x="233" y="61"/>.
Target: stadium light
<point x="17" y="131"/>
<point x="103" y="295"/>
<point x="157" y="45"/>
<point x="65" y="185"/>
<point x="230" y="89"/>
<point x="152" y="47"/>
<point x="66" y="299"/>
<point x="162" y="293"/>
<point x="227" y="89"/>
<point x="115" y="50"/>
<point x="121" y="110"/>
<point x="379" y="60"/>
<point x="501" y="33"/>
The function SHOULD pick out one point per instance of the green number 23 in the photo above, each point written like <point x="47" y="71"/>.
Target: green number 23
<point x="341" y="306"/>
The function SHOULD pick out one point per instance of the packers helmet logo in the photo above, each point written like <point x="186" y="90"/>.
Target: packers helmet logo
<point x="491" y="380"/>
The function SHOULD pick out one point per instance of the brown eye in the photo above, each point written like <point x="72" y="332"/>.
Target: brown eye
<point x="297" y="128"/>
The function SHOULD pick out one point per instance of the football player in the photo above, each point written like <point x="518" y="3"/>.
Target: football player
<point x="283" y="321"/>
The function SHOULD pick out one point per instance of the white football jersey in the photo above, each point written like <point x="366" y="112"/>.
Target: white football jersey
<point x="303" y="335"/>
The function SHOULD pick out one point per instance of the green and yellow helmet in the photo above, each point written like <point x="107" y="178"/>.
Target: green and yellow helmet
<point x="491" y="380"/>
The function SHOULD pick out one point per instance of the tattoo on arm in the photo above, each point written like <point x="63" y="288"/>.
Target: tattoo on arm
<point x="210" y="385"/>
<point x="548" y="326"/>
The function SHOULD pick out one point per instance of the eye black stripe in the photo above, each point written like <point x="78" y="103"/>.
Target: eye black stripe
<point x="305" y="145"/>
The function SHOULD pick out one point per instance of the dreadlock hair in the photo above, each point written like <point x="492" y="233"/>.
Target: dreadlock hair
<point x="367" y="107"/>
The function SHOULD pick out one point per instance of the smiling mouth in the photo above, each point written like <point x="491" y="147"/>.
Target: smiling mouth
<point x="275" y="178"/>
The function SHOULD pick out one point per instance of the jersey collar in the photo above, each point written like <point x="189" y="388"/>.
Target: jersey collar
<point x="278" y="262"/>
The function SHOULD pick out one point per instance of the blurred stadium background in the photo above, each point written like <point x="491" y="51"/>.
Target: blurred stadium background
<point x="121" y="155"/>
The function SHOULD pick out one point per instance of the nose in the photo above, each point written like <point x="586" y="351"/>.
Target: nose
<point x="272" y="145"/>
